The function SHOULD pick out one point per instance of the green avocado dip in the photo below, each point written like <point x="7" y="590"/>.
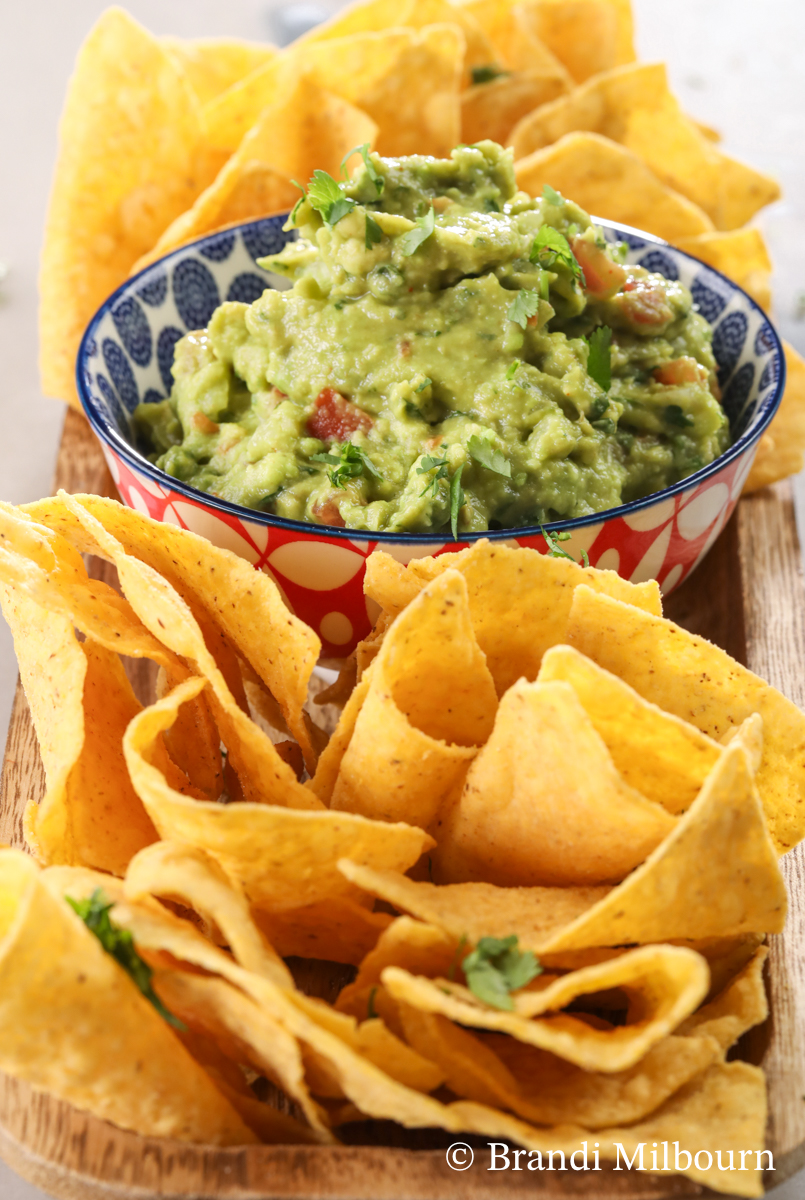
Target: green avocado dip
<point x="452" y="354"/>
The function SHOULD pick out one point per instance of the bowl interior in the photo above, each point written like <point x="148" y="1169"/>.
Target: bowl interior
<point x="127" y="351"/>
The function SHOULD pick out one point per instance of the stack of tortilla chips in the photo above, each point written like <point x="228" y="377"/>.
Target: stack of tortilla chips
<point x="164" y="140"/>
<point x="542" y="840"/>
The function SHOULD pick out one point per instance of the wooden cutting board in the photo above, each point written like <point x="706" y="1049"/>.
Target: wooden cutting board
<point x="748" y="597"/>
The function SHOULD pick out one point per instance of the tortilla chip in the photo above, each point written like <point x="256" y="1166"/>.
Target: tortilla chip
<point x="781" y="451"/>
<point x="609" y="181"/>
<point x="306" y="128"/>
<point x="214" y="64"/>
<point x="700" y="683"/>
<point x="740" y="254"/>
<point x="519" y="599"/>
<point x="684" y="890"/>
<point x="282" y="857"/>
<point x="476" y="910"/>
<point x="514" y="43"/>
<point x="418" y="948"/>
<point x="740" y="1006"/>
<point x="336" y="929"/>
<point x="664" y="758"/>
<point x="241" y="609"/>
<point x="76" y="1026"/>
<point x="588" y="36"/>
<point x="491" y="110"/>
<point x="130" y="162"/>
<point x="329" y="764"/>
<point x="430" y="703"/>
<point x="543" y="802"/>
<point x="664" y="984"/>
<point x="499" y="1071"/>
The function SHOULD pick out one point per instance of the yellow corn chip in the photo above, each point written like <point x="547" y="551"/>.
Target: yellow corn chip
<point x="491" y="110"/>
<point x="519" y="599"/>
<point x="700" y="683"/>
<point x="684" y="890"/>
<point x="500" y="1071"/>
<point x="588" y="36"/>
<point x="543" y="802"/>
<point x="740" y="254"/>
<point x="130" y="161"/>
<point x="516" y="46"/>
<point x="740" y="1006"/>
<point x="75" y="1025"/>
<point x="664" y="984"/>
<point x="336" y="929"/>
<point x="307" y="128"/>
<point x="329" y="764"/>
<point x="237" y="604"/>
<point x="781" y="451"/>
<point x="416" y="947"/>
<point x="214" y="64"/>
<point x="476" y="910"/>
<point x="661" y="756"/>
<point x="609" y="181"/>
<point x="430" y="703"/>
<point x="282" y="857"/>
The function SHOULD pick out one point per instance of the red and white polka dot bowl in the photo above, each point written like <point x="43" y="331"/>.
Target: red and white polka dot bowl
<point x="126" y="356"/>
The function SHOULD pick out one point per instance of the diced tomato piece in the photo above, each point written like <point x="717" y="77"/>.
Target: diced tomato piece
<point x="644" y="302"/>
<point x="202" y="421"/>
<point x="681" y="370"/>
<point x="326" y="512"/>
<point x="602" y="276"/>
<point x="335" y="417"/>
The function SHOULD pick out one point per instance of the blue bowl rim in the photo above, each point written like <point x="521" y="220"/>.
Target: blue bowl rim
<point x="107" y="433"/>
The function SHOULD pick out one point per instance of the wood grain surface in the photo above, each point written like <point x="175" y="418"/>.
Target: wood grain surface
<point x="748" y="597"/>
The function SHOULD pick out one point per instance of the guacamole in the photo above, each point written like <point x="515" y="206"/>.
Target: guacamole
<point x="452" y="354"/>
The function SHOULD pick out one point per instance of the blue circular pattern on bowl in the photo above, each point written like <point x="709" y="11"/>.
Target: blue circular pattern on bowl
<point x="747" y="349"/>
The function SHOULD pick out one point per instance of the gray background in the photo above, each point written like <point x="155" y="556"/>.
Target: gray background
<point x="737" y="64"/>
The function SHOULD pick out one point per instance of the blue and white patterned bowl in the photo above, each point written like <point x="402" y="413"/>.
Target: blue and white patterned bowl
<point x="126" y="356"/>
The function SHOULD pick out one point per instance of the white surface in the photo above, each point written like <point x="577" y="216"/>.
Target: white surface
<point x="737" y="64"/>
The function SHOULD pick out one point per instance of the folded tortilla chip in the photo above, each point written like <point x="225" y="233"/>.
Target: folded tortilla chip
<point x="781" y="450"/>
<point x="543" y="802"/>
<point x="588" y="36"/>
<point x="76" y="1025"/>
<point x="741" y="1005"/>
<point x="609" y="181"/>
<point x="690" y="677"/>
<point x="214" y="64"/>
<point x="741" y="255"/>
<point x="429" y="705"/>
<point x="491" y="110"/>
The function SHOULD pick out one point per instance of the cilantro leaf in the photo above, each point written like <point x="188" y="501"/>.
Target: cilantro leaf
<point x="551" y="248"/>
<point x="426" y="382"/>
<point x="327" y="198"/>
<point x="94" y="912"/>
<point x="373" y="232"/>
<point x="496" y="967"/>
<point x="456" y="500"/>
<point x="371" y="170"/>
<point x="676" y="415"/>
<point x="552" y="196"/>
<point x="552" y="541"/>
<point x="599" y="360"/>
<point x="513" y="368"/>
<point x="487" y="72"/>
<point x="524" y="305"/>
<point x="485" y="454"/>
<point x="413" y="239"/>
<point x="300" y="201"/>
<point x="351" y="463"/>
<point x="439" y="465"/>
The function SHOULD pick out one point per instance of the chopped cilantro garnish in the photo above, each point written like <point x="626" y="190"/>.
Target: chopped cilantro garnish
<point x="351" y="463"/>
<point x="488" y="456"/>
<point x="456" y="499"/>
<point x="373" y="232"/>
<point x="675" y="415"/>
<point x="487" y="72"/>
<point x="524" y="305"/>
<point x="552" y="541"/>
<point x="552" y="196"/>
<point x="425" y="383"/>
<point x="327" y="198"/>
<point x="371" y="170"/>
<point x="413" y="239"/>
<point x="513" y="368"/>
<point x="599" y="360"/>
<point x="300" y="201"/>
<point x="551" y="248"/>
<point x="94" y="912"/>
<point x="495" y="968"/>
<point x="431" y="463"/>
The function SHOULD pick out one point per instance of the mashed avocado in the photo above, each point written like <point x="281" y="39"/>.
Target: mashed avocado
<point x="452" y="352"/>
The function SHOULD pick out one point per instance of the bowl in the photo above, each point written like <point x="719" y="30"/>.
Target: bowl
<point x="126" y="356"/>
